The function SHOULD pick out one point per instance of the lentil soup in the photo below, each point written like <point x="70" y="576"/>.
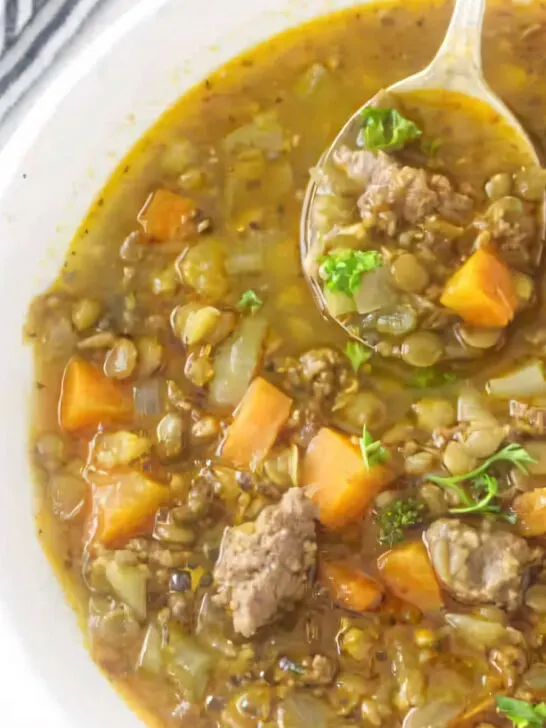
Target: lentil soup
<point x="260" y="521"/>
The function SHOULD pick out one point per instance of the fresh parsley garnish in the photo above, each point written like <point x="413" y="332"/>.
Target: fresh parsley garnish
<point x="343" y="269"/>
<point x="396" y="517"/>
<point x="357" y="354"/>
<point x="512" y="453"/>
<point x="431" y="377"/>
<point x="484" y="489"/>
<point x="484" y="486"/>
<point x="250" y="301"/>
<point x="373" y="452"/>
<point x="430" y="146"/>
<point x="384" y="128"/>
<point x="521" y="713"/>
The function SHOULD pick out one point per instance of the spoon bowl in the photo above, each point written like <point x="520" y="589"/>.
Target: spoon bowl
<point x="457" y="68"/>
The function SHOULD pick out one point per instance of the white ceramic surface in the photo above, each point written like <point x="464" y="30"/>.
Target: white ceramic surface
<point x="50" y="171"/>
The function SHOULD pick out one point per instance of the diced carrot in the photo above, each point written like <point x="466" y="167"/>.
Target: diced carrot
<point x="89" y="398"/>
<point x="337" y="480"/>
<point x="122" y="504"/>
<point x="408" y="573"/>
<point x="260" y="416"/>
<point x="349" y="587"/>
<point x="482" y="291"/>
<point x="530" y="508"/>
<point x="168" y="216"/>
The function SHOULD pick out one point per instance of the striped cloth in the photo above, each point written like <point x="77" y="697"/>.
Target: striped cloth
<point x="32" y="34"/>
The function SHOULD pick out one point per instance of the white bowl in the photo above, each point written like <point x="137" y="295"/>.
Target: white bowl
<point x="50" y="172"/>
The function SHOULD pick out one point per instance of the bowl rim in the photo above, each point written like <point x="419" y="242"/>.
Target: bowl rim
<point x="62" y="82"/>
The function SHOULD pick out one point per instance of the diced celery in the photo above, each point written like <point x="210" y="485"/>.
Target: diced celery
<point x="130" y="585"/>
<point x="338" y="304"/>
<point x="188" y="663"/>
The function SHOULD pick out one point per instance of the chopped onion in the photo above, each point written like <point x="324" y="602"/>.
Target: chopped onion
<point x="299" y="710"/>
<point x="188" y="663"/>
<point x="148" y="398"/>
<point x="112" y="623"/>
<point x="537" y="450"/>
<point x="406" y="667"/>
<point x="264" y="132"/>
<point x="58" y="338"/>
<point x="524" y="383"/>
<point x="338" y="304"/>
<point x="236" y="361"/>
<point x="437" y="714"/>
<point x="311" y="79"/>
<point x="279" y="180"/>
<point x="375" y="291"/>
<point x="214" y="629"/>
<point x="477" y="631"/>
<point x="212" y="618"/>
<point x="471" y="408"/>
<point x="67" y="492"/>
<point x="242" y="262"/>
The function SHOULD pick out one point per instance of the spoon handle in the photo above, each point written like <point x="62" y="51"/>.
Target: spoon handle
<point x="462" y="46"/>
<point x="458" y="64"/>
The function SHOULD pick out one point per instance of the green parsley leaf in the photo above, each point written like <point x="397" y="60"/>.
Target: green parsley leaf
<point x="485" y="489"/>
<point x="373" y="452"/>
<point x="429" y="377"/>
<point x="396" y="517"/>
<point x="250" y="301"/>
<point x="343" y="269"/>
<point x="483" y="485"/>
<point x="430" y="146"/>
<point x="521" y="713"/>
<point x="385" y="129"/>
<point x="357" y="354"/>
<point x="512" y="453"/>
<point x="540" y="710"/>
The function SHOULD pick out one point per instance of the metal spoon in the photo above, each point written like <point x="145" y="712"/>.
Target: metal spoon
<point x="456" y="67"/>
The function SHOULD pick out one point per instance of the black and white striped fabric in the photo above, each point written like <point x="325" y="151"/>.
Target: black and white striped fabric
<point x="32" y="33"/>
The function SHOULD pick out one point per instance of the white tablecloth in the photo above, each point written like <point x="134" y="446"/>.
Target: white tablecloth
<point x="85" y="24"/>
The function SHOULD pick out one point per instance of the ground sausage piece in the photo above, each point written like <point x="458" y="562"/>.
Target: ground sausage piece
<point x="529" y="418"/>
<point x="320" y="372"/>
<point x="396" y="192"/>
<point x="263" y="567"/>
<point x="480" y="566"/>
<point x="452" y="205"/>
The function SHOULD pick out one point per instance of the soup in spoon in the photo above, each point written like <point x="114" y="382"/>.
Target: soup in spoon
<point x="426" y="228"/>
